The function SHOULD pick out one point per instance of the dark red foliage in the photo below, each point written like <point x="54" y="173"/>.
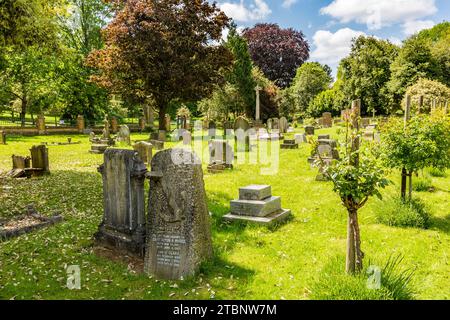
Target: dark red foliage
<point x="277" y="52"/>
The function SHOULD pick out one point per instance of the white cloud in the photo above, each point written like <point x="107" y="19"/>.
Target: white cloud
<point x="395" y="40"/>
<point x="330" y="47"/>
<point x="288" y="3"/>
<point x="379" y="13"/>
<point x="257" y="10"/>
<point x="411" y="27"/>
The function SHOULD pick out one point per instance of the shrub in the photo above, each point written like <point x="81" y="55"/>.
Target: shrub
<point x="396" y="213"/>
<point x="423" y="184"/>
<point x="334" y="284"/>
<point x="435" y="172"/>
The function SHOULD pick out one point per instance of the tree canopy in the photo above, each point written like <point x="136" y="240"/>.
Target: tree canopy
<point x="164" y="50"/>
<point x="277" y="52"/>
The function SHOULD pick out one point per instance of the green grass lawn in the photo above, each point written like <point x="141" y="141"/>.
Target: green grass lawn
<point x="250" y="262"/>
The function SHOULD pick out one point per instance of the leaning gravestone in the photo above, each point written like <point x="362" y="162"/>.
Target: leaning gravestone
<point x="123" y="224"/>
<point x="178" y="227"/>
<point x="124" y="135"/>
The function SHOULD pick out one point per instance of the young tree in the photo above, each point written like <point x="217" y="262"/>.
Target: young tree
<point x="311" y="79"/>
<point x="411" y="145"/>
<point x="356" y="177"/>
<point x="163" y="49"/>
<point x="277" y="52"/>
<point x="366" y="71"/>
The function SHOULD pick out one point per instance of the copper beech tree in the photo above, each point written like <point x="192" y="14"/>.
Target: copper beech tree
<point x="162" y="50"/>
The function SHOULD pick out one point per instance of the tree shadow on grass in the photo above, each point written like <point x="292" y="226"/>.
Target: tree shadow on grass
<point x="441" y="223"/>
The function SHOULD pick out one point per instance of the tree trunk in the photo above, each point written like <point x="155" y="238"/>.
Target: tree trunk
<point x="23" y="111"/>
<point x="358" y="253"/>
<point x="403" y="185"/>
<point x="351" y="252"/>
<point x="161" y="115"/>
<point x="410" y="185"/>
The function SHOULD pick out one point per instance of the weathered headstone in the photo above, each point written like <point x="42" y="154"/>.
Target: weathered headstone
<point x="124" y="134"/>
<point x="178" y="228"/>
<point x="114" y="125"/>
<point x="300" y="138"/>
<point x="211" y="128"/>
<point x="276" y="124"/>
<point x="19" y="162"/>
<point x="256" y="204"/>
<point x="40" y="124"/>
<point x="289" y="144"/>
<point x="309" y="130"/>
<point x="327" y="120"/>
<point x="123" y="224"/>
<point x="269" y="124"/>
<point x="241" y="133"/>
<point x="144" y="150"/>
<point x="81" y="125"/>
<point x="221" y="155"/>
<point x="283" y="125"/>
<point x="39" y="159"/>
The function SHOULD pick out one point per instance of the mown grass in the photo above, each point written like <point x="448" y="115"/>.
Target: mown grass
<point x="250" y="262"/>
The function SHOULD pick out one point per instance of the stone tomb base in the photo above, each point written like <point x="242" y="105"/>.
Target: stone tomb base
<point x="289" y="144"/>
<point x="98" y="148"/>
<point x="257" y="205"/>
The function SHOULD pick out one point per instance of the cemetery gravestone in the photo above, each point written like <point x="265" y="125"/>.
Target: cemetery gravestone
<point x="123" y="224"/>
<point x="289" y="144"/>
<point x="114" y="125"/>
<point x="256" y="204"/>
<point x="221" y="156"/>
<point x="309" y="130"/>
<point x="40" y="123"/>
<point x="283" y="125"/>
<point x="300" y="138"/>
<point x="81" y="126"/>
<point x="124" y="135"/>
<point x="178" y="228"/>
<point x="327" y="120"/>
<point x="211" y="129"/>
<point x="144" y="150"/>
<point x="39" y="161"/>
<point x="242" y="135"/>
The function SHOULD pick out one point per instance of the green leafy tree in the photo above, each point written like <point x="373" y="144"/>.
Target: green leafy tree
<point x="240" y="75"/>
<point x="327" y="101"/>
<point x="413" y="62"/>
<point x="28" y="78"/>
<point x="423" y="142"/>
<point x="431" y="91"/>
<point x="366" y="71"/>
<point x="311" y="79"/>
<point x="356" y="177"/>
<point x="164" y="50"/>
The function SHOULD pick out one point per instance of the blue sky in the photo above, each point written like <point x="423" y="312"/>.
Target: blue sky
<point x="329" y="25"/>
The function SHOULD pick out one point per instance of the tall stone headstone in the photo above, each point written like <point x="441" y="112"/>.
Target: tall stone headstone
<point x="211" y="128"/>
<point x="40" y="124"/>
<point x="178" y="228"/>
<point x="144" y="150"/>
<point x="327" y="120"/>
<point x="283" y="125"/>
<point x="81" y="125"/>
<point x="242" y="134"/>
<point x="124" y="134"/>
<point x="39" y="159"/>
<point x="123" y="224"/>
<point x="19" y="162"/>
<point x="114" y="125"/>
<point x="221" y="155"/>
